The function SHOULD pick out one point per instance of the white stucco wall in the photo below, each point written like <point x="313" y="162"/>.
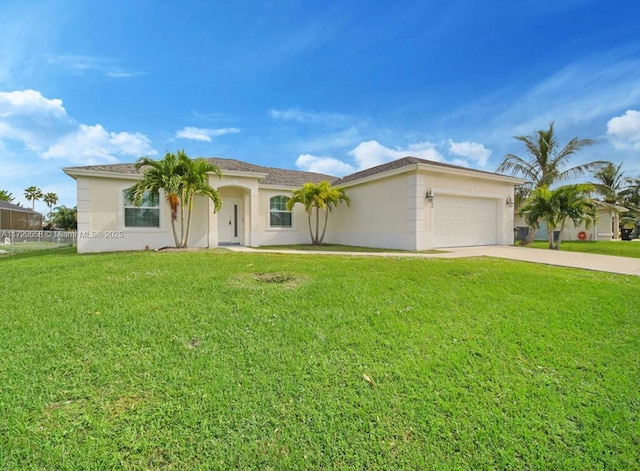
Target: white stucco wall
<point x="101" y="226"/>
<point x="379" y="215"/>
<point x="298" y="233"/>
<point x="394" y="212"/>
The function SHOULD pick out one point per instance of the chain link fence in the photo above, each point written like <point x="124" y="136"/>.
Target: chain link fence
<point x="14" y="242"/>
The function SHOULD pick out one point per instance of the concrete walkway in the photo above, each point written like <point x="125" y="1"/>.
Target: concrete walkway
<point x="604" y="263"/>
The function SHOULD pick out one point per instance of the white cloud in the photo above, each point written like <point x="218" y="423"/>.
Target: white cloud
<point x="624" y="131"/>
<point x="294" y="114"/>
<point x="371" y="153"/>
<point x="81" y="65"/>
<point x="203" y="134"/>
<point x="43" y="126"/>
<point x="27" y="116"/>
<point x="93" y="144"/>
<point x="29" y="101"/>
<point x="368" y="154"/>
<point x="470" y="150"/>
<point x="328" y="165"/>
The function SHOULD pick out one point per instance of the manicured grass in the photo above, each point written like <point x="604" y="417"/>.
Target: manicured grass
<point x="620" y="248"/>
<point x="325" y="248"/>
<point x="221" y="360"/>
<point x="335" y="248"/>
<point x="23" y="247"/>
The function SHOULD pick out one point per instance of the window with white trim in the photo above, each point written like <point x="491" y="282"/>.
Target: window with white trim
<point x="147" y="214"/>
<point x="279" y="216"/>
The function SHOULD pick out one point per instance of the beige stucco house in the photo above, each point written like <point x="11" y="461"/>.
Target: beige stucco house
<point x="410" y="204"/>
<point x="606" y="227"/>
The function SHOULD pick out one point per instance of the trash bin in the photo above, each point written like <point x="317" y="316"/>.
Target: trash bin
<point x="625" y="234"/>
<point x="556" y="234"/>
<point x="522" y="232"/>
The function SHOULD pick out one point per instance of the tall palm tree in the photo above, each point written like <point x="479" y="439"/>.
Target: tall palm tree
<point x="555" y="207"/>
<point x="546" y="164"/>
<point x="196" y="183"/>
<point x="181" y="179"/>
<point x="320" y="196"/>
<point x="160" y="175"/>
<point x="51" y="199"/>
<point x="33" y="194"/>
<point x="609" y="182"/>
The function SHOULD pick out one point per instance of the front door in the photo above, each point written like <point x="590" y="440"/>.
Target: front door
<point x="230" y="221"/>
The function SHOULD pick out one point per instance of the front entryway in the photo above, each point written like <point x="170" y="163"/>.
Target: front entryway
<point x="230" y="221"/>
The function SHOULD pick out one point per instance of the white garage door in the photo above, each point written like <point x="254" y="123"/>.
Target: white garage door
<point x="464" y="222"/>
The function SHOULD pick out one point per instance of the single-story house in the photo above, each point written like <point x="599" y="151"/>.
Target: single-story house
<point x="606" y="227"/>
<point x="17" y="218"/>
<point x="410" y="204"/>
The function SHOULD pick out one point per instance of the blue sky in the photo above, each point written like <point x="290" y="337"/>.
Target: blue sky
<point x="333" y="86"/>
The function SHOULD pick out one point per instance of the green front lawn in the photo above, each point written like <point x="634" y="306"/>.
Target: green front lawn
<point x="325" y="248"/>
<point x="221" y="360"/>
<point x="620" y="248"/>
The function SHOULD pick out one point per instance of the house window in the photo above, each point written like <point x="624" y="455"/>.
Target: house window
<point x="278" y="214"/>
<point x="145" y="215"/>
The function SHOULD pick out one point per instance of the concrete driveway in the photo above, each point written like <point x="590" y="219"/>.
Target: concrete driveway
<point x="587" y="261"/>
<point x="603" y="263"/>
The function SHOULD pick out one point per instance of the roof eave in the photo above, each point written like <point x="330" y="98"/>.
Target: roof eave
<point x="75" y="172"/>
<point x="435" y="169"/>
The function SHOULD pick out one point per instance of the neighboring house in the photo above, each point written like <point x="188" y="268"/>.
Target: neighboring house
<point x="607" y="227"/>
<point x="17" y="218"/>
<point x="410" y="204"/>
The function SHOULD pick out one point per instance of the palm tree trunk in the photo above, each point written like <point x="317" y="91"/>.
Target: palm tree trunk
<point x="175" y="234"/>
<point x="324" y="229"/>
<point x="530" y="236"/>
<point x="185" y="241"/>
<point x="550" y="231"/>
<point x="310" y="229"/>
<point x="316" y="240"/>
<point x="183" y="201"/>
<point x="556" y="245"/>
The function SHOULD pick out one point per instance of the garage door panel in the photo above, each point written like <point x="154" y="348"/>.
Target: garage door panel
<point x="463" y="221"/>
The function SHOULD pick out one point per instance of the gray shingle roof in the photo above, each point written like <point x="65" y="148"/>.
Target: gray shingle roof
<point x="289" y="178"/>
<point x="403" y="162"/>
<point x="275" y="176"/>
<point x="15" y="207"/>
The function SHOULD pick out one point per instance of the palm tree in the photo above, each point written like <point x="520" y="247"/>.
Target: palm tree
<point x="51" y="199"/>
<point x="631" y="200"/>
<point x="181" y="179"/>
<point x="165" y="175"/>
<point x="65" y="218"/>
<point x="546" y="164"/>
<point x="610" y="183"/>
<point x="33" y="194"/>
<point x="196" y="183"/>
<point x="6" y="196"/>
<point x="554" y="207"/>
<point x="318" y="196"/>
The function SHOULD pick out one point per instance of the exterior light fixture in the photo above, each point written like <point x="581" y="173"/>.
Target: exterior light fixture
<point x="429" y="194"/>
<point x="509" y="201"/>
